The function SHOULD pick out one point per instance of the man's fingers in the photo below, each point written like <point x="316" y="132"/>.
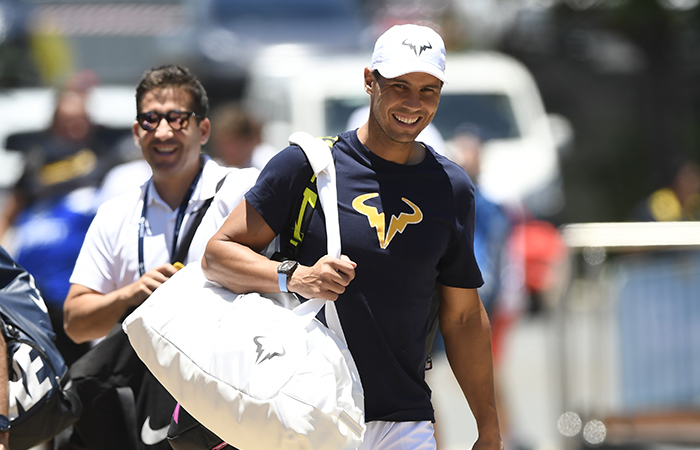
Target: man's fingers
<point x="345" y="268"/>
<point x="152" y="279"/>
<point x="339" y="278"/>
<point x="167" y="269"/>
<point x="161" y="273"/>
<point x="326" y="279"/>
<point x="151" y="284"/>
<point x="346" y="258"/>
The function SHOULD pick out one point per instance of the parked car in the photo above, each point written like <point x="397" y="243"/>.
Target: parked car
<point x="520" y="161"/>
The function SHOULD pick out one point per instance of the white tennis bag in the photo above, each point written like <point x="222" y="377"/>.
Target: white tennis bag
<point x="255" y="373"/>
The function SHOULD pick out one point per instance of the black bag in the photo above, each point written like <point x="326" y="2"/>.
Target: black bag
<point x="186" y="433"/>
<point x="42" y="400"/>
<point x="124" y="406"/>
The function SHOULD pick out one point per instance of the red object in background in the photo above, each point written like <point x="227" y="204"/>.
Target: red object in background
<point x="540" y="245"/>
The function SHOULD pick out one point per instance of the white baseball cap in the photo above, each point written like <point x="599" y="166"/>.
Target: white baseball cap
<point x="409" y="48"/>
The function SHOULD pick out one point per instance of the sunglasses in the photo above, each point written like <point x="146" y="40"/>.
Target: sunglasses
<point x="177" y="120"/>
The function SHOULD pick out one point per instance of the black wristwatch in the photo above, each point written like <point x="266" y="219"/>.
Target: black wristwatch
<point x="4" y="424"/>
<point x="284" y="271"/>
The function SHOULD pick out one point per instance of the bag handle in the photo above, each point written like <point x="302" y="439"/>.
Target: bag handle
<point x="320" y="158"/>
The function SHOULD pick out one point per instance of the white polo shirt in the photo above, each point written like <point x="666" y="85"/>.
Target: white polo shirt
<point x="108" y="259"/>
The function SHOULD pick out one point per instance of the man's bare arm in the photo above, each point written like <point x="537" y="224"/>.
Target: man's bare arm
<point x="467" y="334"/>
<point x="88" y="314"/>
<point x="232" y="259"/>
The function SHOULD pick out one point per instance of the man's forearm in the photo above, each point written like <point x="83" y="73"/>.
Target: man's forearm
<point x="88" y="314"/>
<point x="468" y="349"/>
<point x="238" y="268"/>
<point x="91" y="315"/>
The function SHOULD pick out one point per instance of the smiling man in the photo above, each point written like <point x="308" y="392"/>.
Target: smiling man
<point x="135" y="238"/>
<point x="407" y="224"/>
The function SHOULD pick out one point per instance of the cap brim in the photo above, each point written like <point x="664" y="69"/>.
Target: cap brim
<point x="396" y="69"/>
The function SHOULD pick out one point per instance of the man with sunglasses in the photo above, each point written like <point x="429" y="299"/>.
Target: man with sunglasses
<point x="133" y="244"/>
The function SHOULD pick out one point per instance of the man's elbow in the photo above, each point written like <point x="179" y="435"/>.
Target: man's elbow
<point x="468" y="321"/>
<point x="214" y="256"/>
<point x="209" y="259"/>
<point x="70" y="328"/>
<point x="72" y="325"/>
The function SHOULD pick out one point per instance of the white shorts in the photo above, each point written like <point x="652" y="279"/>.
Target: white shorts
<point x="382" y="435"/>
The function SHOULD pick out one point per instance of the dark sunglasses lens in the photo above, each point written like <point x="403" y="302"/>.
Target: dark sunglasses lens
<point x="177" y="119"/>
<point x="149" y="121"/>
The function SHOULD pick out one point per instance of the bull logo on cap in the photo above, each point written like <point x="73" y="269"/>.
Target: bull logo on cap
<point x="417" y="48"/>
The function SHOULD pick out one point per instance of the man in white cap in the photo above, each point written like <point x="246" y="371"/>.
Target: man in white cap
<point x="407" y="225"/>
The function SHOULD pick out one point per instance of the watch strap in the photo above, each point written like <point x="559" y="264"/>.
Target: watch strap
<point x="282" y="280"/>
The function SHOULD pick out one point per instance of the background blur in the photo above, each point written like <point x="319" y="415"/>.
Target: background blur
<point x="621" y="76"/>
<point x="622" y="71"/>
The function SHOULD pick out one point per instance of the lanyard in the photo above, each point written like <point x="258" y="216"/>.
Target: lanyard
<point x="178" y="220"/>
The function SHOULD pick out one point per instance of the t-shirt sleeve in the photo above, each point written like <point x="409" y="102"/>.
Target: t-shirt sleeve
<point x="458" y="267"/>
<point x="279" y="186"/>
<point x="95" y="263"/>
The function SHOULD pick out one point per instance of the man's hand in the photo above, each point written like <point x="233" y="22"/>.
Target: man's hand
<point x="142" y="288"/>
<point x="326" y="279"/>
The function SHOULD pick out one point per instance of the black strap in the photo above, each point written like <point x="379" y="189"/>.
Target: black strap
<point x="185" y="201"/>
<point x="196" y="220"/>
<point x="127" y="402"/>
<point x="180" y="216"/>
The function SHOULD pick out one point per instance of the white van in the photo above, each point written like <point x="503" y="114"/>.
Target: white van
<point x="293" y="91"/>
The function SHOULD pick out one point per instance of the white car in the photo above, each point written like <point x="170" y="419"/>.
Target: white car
<point x="294" y="91"/>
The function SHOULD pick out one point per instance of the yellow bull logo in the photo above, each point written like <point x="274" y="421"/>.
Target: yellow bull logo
<point x="377" y="221"/>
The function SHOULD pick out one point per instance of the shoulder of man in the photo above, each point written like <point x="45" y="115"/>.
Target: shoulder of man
<point x="235" y="178"/>
<point x="214" y="173"/>
<point x="228" y="185"/>
<point x="122" y="201"/>
<point x="117" y="212"/>
<point x="453" y="170"/>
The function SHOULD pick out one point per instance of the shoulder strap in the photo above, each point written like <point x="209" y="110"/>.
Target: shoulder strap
<point x="319" y="158"/>
<point x="184" y="247"/>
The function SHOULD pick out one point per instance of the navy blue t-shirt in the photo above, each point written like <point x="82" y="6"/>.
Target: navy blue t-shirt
<point x="407" y="227"/>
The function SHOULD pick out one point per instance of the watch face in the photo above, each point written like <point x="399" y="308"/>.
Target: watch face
<point x="287" y="266"/>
